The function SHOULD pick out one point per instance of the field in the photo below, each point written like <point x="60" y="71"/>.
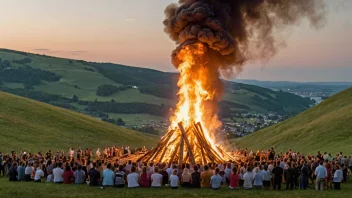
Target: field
<point x="38" y="190"/>
<point x="34" y="126"/>
<point x="82" y="79"/>
<point x="325" y="127"/>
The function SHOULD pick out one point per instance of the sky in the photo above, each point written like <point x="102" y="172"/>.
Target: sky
<point x="131" y="32"/>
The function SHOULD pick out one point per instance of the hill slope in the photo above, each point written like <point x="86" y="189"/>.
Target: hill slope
<point x="33" y="126"/>
<point x="325" y="127"/>
<point x="55" y="80"/>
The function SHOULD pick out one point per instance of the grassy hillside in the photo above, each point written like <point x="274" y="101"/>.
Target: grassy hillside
<point x="59" y="79"/>
<point x="33" y="126"/>
<point x="326" y="127"/>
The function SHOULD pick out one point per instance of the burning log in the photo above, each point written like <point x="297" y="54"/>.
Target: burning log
<point x="186" y="146"/>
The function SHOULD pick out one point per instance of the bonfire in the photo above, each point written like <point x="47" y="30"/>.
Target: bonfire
<point x="190" y="138"/>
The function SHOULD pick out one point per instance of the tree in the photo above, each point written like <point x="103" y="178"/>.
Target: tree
<point x="75" y="98"/>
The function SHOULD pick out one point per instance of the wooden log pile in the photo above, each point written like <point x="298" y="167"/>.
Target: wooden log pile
<point x="186" y="146"/>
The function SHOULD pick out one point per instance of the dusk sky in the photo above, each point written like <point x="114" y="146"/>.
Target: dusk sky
<point x="131" y="32"/>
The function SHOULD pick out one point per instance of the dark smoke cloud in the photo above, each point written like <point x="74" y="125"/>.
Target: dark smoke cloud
<point x="237" y="31"/>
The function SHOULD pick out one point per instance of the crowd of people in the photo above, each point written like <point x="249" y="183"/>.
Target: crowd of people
<point x="257" y="170"/>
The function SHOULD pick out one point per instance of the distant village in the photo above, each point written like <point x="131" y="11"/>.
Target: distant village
<point x="240" y="125"/>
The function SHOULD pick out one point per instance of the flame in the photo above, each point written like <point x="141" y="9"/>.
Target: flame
<point x="194" y="93"/>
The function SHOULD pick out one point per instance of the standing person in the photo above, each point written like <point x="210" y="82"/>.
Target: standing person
<point x="97" y="153"/>
<point x="156" y="178"/>
<point x="21" y="171"/>
<point x="195" y="178"/>
<point x="94" y="175"/>
<point x="58" y="174"/>
<point x="144" y="179"/>
<point x="28" y="172"/>
<point x="108" y="176"/>
<point x="120" y="177"/>
<point x="291" y="172"/>
<point x="350" y="163"/>
<point x="2" y="169"/>
<point x="13" y="172"/>
<point x="278" y="173"/>
<point x="228" y="172"/>
<point x="321" y="174"/>
<point x="304" y="176"/>
<point x="258" y="179"/>
<point x="39" y="174"/>
<point x="132" y="178"/>
<point x="216" y="180"/>
<point x="248" y="179"/>
<point x="80" y="175"/>
<point x="174" y="180"/>
<point x="266" y="177"/>
<point x="234" y="179"/>
<point x="328" y="167"/>
<point x="205" y="176"/>
<point x="186" y="178"/>
<point x="338" y="177"/>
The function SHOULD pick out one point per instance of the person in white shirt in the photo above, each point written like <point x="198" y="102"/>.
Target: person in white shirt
<point x="28" y="171"/>
<point x="58" y="173"/>
<point x="266" y="177"/>
<point x="338" y="177"/>
<point x="174" y="180"/>
<point x="39" y="174"/>
<point x="132" y="178"/>
<point x="156" y="178"/>
<point x="248" y="179"/>
<point x="258" y="179"/>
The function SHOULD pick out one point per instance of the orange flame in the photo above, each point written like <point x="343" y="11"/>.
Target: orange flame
<point x="193" y="94"/>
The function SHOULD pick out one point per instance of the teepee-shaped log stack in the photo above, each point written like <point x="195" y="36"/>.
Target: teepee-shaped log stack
<point x="186" y="146"/>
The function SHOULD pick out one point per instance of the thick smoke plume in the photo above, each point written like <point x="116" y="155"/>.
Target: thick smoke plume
<point x="237" y="31"/>
<point x="223" y="35"/>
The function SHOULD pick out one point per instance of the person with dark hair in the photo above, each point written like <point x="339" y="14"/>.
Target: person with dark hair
<point x="144" y="179"/>
<point x="120" y="177"/>
<point x="68" y="175"/>
<point x="248" y="179"/>
<point x="21" y="171"/>
<point x="195" y="178"/>
<point x="278" y="173"/>
<point x="216" y="180"/>
<point x="156" y="178"/>
<point x="290" y="182"/>
<point x="80" y="175"/>
<point x="234" y="179"/>
<point x="303" y="184"/>
<point x="205" y="177"/>
<point x="338" y="177"/>
<point x="13" y="172"/>
<point x="266" y="177"/>
<point x="2" y="168"/>
<point x="132" y="178"/>
<point x="28" y="172"/>
<point x="58" y="173"/>
<point x="108" y="176"/>
<point x="94" y="175"/>
<point x="321" y="174"/>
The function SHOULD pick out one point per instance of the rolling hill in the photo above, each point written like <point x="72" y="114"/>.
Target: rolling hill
<point x="119" y="91"/>
<point x="33" y="126"/>
<point x="325" y="127"/>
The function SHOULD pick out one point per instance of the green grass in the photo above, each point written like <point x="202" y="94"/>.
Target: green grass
<point x="34" y="126"/>
<point x="325" y="127"/>
<point x="137" y="119"/>
<point x="77" y="80"/>
<point x="23" y="189"/>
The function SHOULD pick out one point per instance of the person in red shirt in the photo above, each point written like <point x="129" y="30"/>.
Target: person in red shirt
<point x="234" y="179"/>
<point x="69" y="175"/>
